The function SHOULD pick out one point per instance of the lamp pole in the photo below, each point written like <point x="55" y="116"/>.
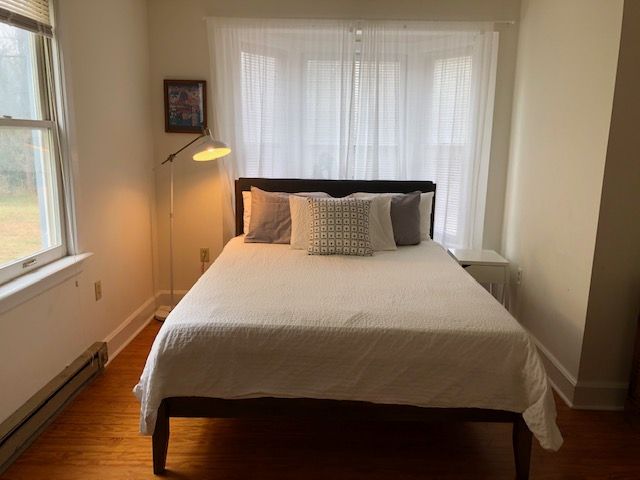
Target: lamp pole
<point x="172" y="304"/>
<point x="163" y="312"/>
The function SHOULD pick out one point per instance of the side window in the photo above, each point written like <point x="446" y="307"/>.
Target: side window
<point x="31" y="206"/>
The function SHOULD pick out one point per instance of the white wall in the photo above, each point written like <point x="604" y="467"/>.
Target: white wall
<point x="178" y="42"/>
<point x="566" y="73"/>
<point x="114" y="91"/>
<point x="105" y="46"/>
<point x="178" y="50"/>
<point x="565" y="77"/>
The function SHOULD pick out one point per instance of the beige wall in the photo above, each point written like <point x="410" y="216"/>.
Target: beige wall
<point x="614" y="297"/>
<point x="450" y="10"/>
<point x="566" y="70"/>
<point x="554" y="225"/>
<point x="106" y="61"/>
<point x="178" y="50"/>
<point x="178" y="41"/>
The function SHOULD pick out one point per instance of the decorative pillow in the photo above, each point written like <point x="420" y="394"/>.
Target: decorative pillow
<point x="273" y="212"/>
<point x="380" y="226"/>
<point x="426" y="206"/>
<point x="246" y="215"/>
<point x="339" y="227"/>
<point x="270" y="217"/>
<point x="300" y="218"/>
<point x="405" y="218"/>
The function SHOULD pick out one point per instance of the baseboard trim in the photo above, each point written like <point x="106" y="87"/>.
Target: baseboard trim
<point x="562" y="381"/>
<point x="24" y="425"/>
<point x="581" y="395"/>
<point x="562" y="393"/>
<point x="135" y="323"/>
<point x="21" y="428"/>
<point x="130" y="328"/>
<point x="600" y="395"/>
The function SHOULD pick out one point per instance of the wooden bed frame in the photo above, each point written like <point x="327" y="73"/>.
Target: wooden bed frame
<point x="327" y="410"/>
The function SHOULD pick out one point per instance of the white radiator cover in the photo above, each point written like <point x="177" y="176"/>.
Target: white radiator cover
<point x="19" y="430"/>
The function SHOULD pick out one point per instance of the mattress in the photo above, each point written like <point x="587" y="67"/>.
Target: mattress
<point x="404" y="327"/>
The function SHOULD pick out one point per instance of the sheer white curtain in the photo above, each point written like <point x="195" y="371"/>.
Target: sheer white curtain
<point x="365" y="100"/>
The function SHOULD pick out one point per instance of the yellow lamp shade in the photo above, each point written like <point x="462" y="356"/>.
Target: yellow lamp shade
<point x="210" y="149"/>
<point x="211" y="154"/>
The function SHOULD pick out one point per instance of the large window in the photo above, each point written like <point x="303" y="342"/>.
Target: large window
<point x="362" y="100"/>
<point x="31" y="207"/>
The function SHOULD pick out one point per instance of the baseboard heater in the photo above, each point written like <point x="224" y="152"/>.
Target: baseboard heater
<point x="19" y="430"/>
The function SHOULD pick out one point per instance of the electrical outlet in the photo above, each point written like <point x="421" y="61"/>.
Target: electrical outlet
<point x="97" y="287"/>
<point x="204" y="255"/>
<point x="519" y="276"/>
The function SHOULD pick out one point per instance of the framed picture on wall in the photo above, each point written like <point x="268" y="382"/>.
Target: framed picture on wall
<point x="185" y="106"/>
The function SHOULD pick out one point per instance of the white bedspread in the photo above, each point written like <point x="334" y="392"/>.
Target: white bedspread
<point x="402" y="327"/>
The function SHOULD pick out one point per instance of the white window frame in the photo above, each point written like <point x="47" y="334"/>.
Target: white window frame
<point x="48" y="81"/>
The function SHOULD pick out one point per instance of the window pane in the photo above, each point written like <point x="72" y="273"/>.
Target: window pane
<point x="377" y="123"/>
<point x="451" y="111"/>
<point x="19" y="90"/>
<point x="258" y="85"/>
<point x="29" y="211"/>
<point x="325" y="86"/>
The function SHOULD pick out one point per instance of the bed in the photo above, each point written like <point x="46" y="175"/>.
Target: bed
<point x="404" y="335"/>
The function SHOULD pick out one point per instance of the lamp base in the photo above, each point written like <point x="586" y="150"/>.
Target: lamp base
<point x="162" y="313"/>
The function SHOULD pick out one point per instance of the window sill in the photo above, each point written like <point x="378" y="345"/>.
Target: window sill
<point x="32" y="284"/>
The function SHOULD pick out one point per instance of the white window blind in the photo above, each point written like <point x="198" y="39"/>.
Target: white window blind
<point x="32" y="15"/>
<point x="451" y="100"/>
<point x="258" y="82"/>
<point x="361" y="100"/>
<point x="322" y="122"/>
<point x="449" y="136"/>
<point x="377" y="124"/>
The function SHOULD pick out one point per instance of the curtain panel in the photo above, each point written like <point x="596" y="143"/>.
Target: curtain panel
<point x="360" y="100"/>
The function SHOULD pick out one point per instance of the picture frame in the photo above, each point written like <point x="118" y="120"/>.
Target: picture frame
<point x="185" y="106"/>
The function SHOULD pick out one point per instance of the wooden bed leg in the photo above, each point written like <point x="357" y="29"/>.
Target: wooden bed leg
<point x="521" y="448"/>
<point x="161" y="440"/>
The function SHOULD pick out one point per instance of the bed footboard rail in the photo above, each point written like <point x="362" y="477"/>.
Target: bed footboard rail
<point x="328" y="410"/>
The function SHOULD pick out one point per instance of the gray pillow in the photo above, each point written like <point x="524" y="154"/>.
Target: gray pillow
<point x="339" y="227"/>
<point x="405" y="218"/>
<point x="270" y="217"/>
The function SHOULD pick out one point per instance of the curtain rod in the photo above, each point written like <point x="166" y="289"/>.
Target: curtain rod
<point x="507" y="22"/>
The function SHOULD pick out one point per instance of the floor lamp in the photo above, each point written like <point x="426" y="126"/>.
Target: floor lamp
<point x="205" y="148"/>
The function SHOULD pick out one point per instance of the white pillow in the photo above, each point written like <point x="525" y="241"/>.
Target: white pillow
<point x="299" y="222"/>
<point x="246" y="215"/>
<point x="380" y="227"/>
<point x="426" y="205"/>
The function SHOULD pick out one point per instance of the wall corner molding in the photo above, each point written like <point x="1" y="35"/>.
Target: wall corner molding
<point x="600" y="395"/>
<point x="581" y="395"/>
<point x="130" y="328"/>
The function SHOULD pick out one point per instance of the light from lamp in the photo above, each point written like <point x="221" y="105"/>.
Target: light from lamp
<point x="211" y="153"/>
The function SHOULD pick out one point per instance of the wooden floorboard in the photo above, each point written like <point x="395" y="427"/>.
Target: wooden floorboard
<point x="97" y="438"/>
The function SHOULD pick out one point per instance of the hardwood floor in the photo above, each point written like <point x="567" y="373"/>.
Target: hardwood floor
<point x="97" y="438"/>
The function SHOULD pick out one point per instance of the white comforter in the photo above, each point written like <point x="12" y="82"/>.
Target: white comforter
<point x="402" y="327"/>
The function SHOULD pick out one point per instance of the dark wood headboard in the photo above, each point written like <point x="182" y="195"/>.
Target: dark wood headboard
<point x="335" y="188"/>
